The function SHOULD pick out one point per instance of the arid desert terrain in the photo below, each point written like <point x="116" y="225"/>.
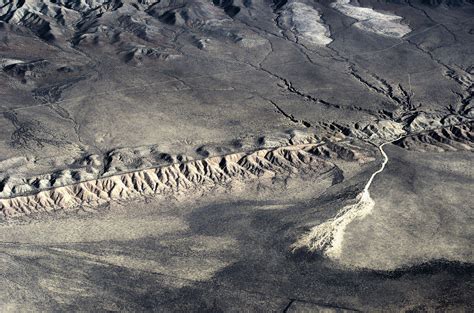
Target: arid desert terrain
<point x="236" y="155"/>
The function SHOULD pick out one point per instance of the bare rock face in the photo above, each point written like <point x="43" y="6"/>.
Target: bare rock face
<point x="178" y="177"/>
<point x="452" y="138"/>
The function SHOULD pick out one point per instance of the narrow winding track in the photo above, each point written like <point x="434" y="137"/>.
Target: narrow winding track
<point x="380" y="170"/>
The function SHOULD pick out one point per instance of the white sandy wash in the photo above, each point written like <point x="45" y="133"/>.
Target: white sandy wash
<point x="370" y="20"/>
<point x="328" y="237"/>
<point x="305" y="22"/>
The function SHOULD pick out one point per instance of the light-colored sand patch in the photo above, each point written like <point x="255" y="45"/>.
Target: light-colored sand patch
<point x="306" y="23"/>
<point x="372" y="21"/>
<point x="328" y="237"/>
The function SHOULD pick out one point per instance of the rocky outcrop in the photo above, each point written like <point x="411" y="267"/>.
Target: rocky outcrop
<point x="181" y="177"/>
<point x="451" y="138"/>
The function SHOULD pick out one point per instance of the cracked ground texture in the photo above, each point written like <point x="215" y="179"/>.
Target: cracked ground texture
<point x="167" y="155"/>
